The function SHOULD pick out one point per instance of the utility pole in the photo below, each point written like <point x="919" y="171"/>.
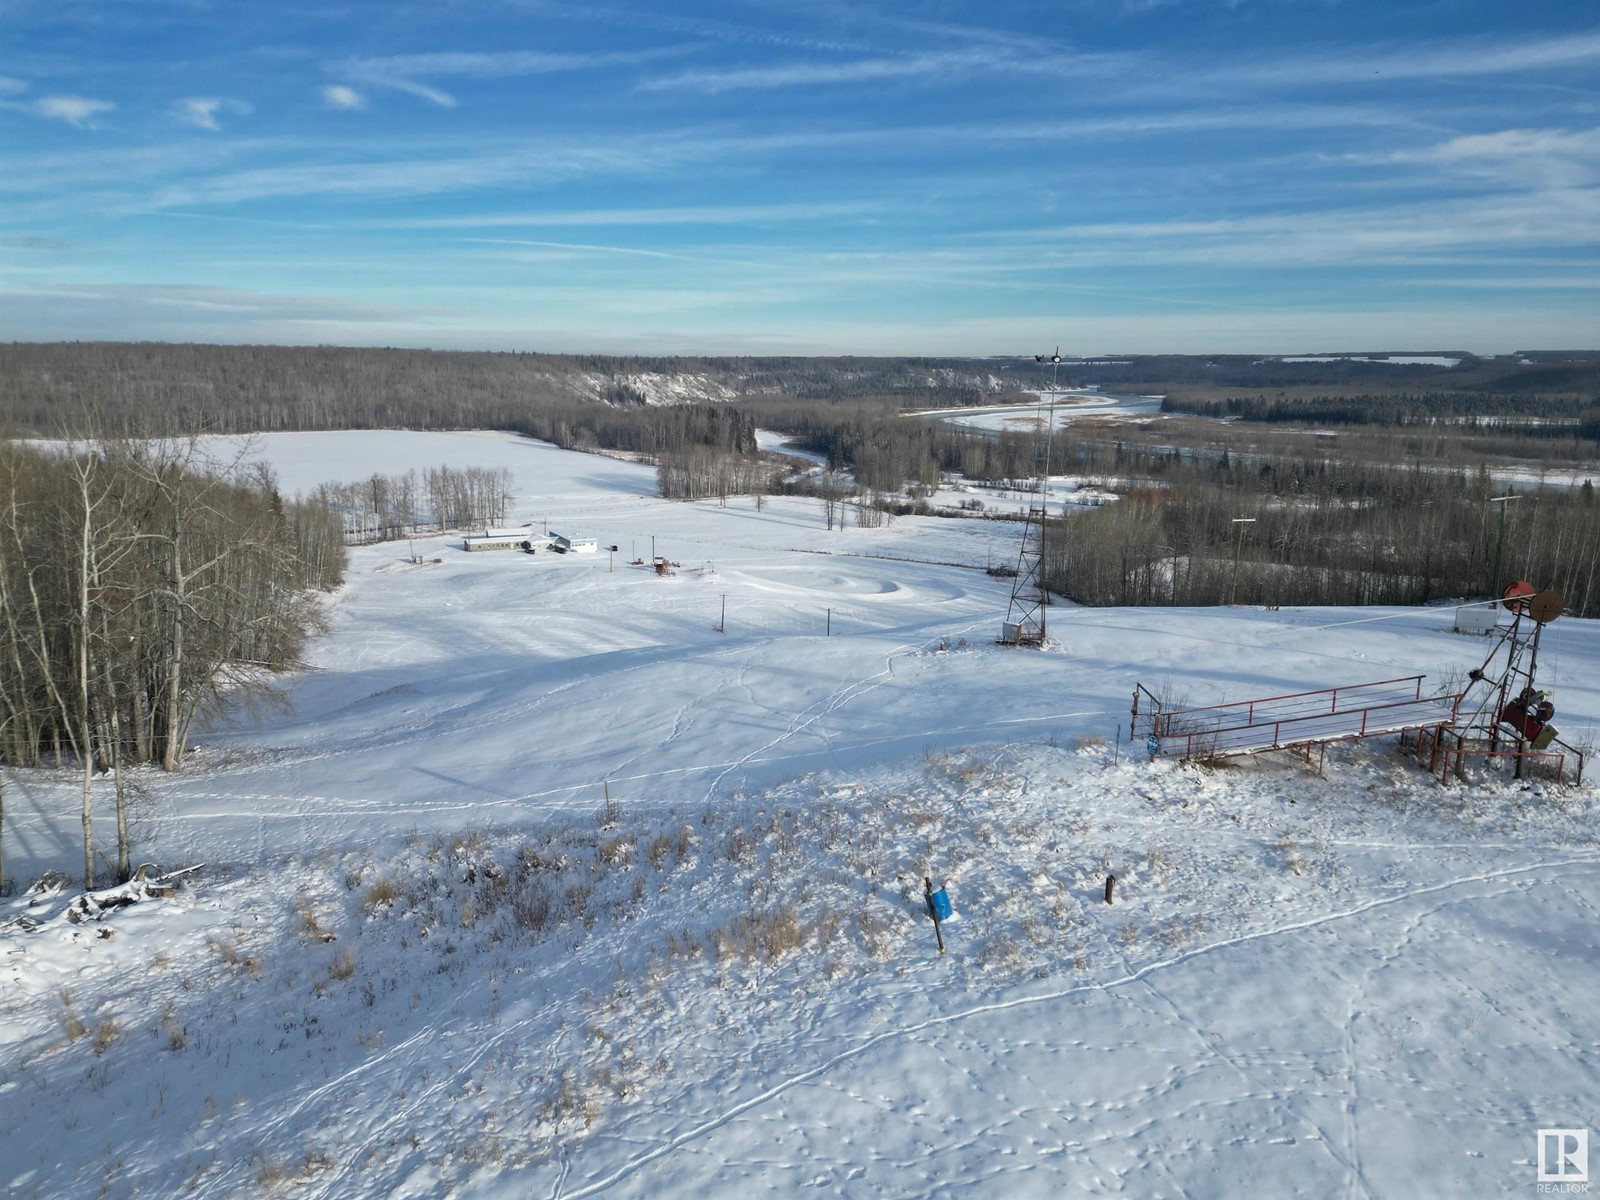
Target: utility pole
<point x="1238" y="542"/>
<point x="1500" y="541"/>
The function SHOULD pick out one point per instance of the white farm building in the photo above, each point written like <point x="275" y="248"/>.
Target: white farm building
<point x="562" y="544"/>
<point x="528" y="541"/>
<point x="502" y="539"/>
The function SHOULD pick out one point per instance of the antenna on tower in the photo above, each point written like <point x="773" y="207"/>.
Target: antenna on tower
<point x="1025" y="616"/>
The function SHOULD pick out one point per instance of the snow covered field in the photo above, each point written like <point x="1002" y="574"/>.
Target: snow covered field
<point x="428" y="956"/>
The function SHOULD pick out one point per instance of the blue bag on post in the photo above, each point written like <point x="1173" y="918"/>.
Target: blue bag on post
<point x="939" y="902"/>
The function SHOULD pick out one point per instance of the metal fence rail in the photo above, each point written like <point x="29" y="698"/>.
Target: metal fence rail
<point x="1293" y="719"/>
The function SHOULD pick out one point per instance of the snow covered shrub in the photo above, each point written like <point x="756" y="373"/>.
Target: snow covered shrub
<point x="999" y="950"/>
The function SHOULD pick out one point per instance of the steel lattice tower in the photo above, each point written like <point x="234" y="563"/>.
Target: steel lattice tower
<point x="1025" y="616"/>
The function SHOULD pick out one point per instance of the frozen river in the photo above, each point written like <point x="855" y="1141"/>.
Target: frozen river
<point x="1068" y="406"/>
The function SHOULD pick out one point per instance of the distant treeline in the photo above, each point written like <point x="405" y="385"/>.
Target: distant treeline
<point x="1531" y="415"/>
<point x="1323" y="533"/>
<point x="568" y="399"/>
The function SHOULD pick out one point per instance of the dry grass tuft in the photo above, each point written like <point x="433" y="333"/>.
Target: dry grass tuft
<point x="310" y="926"/>
<point x="741" y="848"/>
<point x="877" y="934"/>
<point x="760" y="936"/>
<point x="531" y="909"/>
<point x="230" y="953"/>
<point x="343" y="965"/>
<point x="105" y="1034"/>
<point x="660" y="846"/>
<point x="71" y="1023"/>
<point x="177" y="1035"/>
<point x="270" y="1174"/>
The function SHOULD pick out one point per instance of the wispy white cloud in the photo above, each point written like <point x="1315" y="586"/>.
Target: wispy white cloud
<point x="727" y="214"/>
<point x="75" y="110"/>
<point x="587" y="248"/>
<point x="1512" y="159"/>
<point x="942" y="66"/>
<point x="418" y="170"/>
<point x="1587" y="282"/>
<point x="396" y="83"/>
<point x="89" y="170"/>
<point x="202" y="111"/>
<point x="11" y="87"/>
<point x="338" y="95"/>
<point x="727" y="31"/>
<point x="1517" y="144"/>
<point x="53" y="245"/>
<point x="130" y="299"/>
<point x="569" y="249"/>
<point x="1559" y="219"/>
<point x="407" y="72"/>
<point x="1457" y="58"/>
<point x="807" y="74"/>
<point x="496" y="164"/>
<point x="1150" y="73"/>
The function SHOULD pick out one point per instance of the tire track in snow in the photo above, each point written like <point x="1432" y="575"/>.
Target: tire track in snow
<point x="1137" y="976"/>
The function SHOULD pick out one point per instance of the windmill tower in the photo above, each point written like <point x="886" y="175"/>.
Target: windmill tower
<point x="1503" y="710"/>
<point x="1025" y="616"/>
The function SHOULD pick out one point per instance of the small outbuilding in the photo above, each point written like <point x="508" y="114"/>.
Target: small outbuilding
<point x="562" y="544"/>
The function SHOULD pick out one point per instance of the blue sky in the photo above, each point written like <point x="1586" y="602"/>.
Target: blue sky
<point x="750" y="176"/>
